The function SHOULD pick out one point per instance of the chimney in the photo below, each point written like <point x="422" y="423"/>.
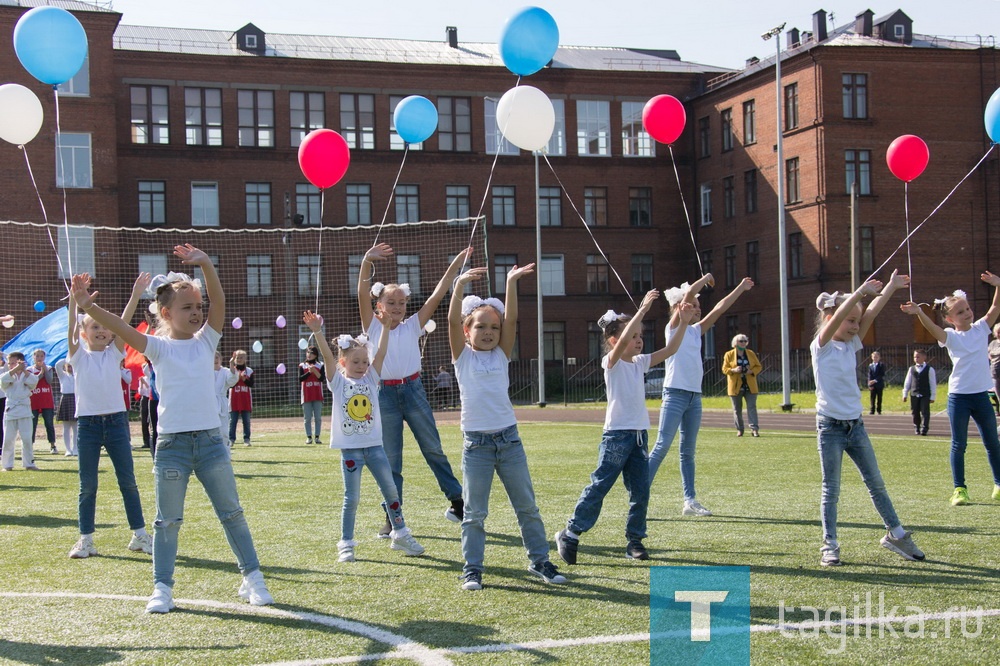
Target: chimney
<point x="792" y="38"/>
<point x="452" y="33"/>
<point x="752" y="60"/>
<point x="863" y="23"/>
<point x="819" y="26"/>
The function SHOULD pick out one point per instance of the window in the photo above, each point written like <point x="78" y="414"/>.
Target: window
<point x="855" y="95"/>
<point x="554" y="340"/>
<point x="732" y="326"/>
<point x="792" y="180"/>
<point x="150" y="123"/>
<point x="598" y="279"/>
<point x="642" y="273"/>
<point x="648" y="335"/>
<point x="727" y="130"/>
<point x="203" y="116"/>
<point x="204" y="204"/>
<point x="730" y="259"/>
<point x="307" y="112"/>
<point x="454" y="124"/>
<point x="308" y="203"/>
<point x="250" y="41"/>
<point x="795" y="255"/>
<point x="858" y="169"/>
<point x="595" y="206"/>
<point x="357" y="120"/>
<point x="595" y="341"/>
<point x="258" y="275"/>
<point x="407" y="203"/>
<point x="199" y="274"/>
<point x="308" y="275"/>
<point x="73" y="165"/>
<point x="258" y="203"/>
<point x="78" y="243"/>
<point x="550" y="206"/>
<point x="354" y="271"/>
<point x="753" y="260"/>
<point x="706" y="205"/>
<point x="899" y="31"/>
<point x="706" y="261"/>
<point x="708" y="343"/>
<point x="79" y="85"/>
<point x="256" y="118"/>
<point x="408" y="271"/>
<point x="866" y="249"/>
<point x="557" y="144"/>
<point x="593" y="127"/>
<point x="704" y="139"/>
<point x="395" y="141"/>
<point x="791" y="106"/>
<point x="553" y="280"/>
<point x="640" y="206"/>
<point x="636" y="141"/>
<point x="154" y="264"/>
<point x="152" y="202"/>
<point x="728" y="197"/>
<point x="502" y="263"/>
<point x="359" y="204"/>
<point x="503" y="206"/>
<point x="756" y="332"/>
<point x="457" y="202"/>
<point x="494" y="137"/>
<point x="750" y="190"/>
<point x="749" y="122"/>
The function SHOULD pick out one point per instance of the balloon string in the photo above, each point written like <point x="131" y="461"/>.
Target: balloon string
<point x="45" y="215"/>
<point x="319" y="249"/>
<point x="932" y="213"/>
<point x="392" y="195"/>
<point x="62" y="170"/>
<point x="587" y="227"/>
<point x="909" y="257"/>
<point x="687" y="215"/>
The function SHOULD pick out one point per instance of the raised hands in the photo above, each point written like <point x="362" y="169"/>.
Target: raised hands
<point x="518" y="272"/>
<point x="141" y="284"/>
<point x="990" y="278"/>
<point x="80" y="291"/>
<point x="474" y="274"/>
<point x="312" y="320"/>
<point x="189" y="254"/>
<point x="379" y="252"/>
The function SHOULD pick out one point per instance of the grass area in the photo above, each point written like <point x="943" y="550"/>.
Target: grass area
<point x="892" y="403"/>
<point x="765" y="494"/>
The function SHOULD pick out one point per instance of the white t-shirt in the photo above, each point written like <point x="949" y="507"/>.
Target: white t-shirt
<point x="402" y="358"/>
<point x="185" y="380"/>
<point x="483" y="384"/>
<point x="67" y="381"/>
<point x="626" y="386"/>
<point x="224" y="380"/>
<point x="969" y="358"/>
<point x="357" y="422"/>
<point x="835" y="369"/>
<point x="684" y="370"/>
<point x="99" y="377"/>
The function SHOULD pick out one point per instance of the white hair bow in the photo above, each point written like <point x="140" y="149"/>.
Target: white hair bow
<point x="160" y="280"/>
<point x="378" y="287"/>
<point x="470" y="303"/>
<point x="609" y="317"/>
<point x="825" y="300"/>
<point x="958" y="293"/>
<point x="346" y="341"/>
<point x="675" y="295"/>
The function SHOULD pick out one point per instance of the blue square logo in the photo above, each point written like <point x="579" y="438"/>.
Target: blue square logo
<point x="699" y="615"/>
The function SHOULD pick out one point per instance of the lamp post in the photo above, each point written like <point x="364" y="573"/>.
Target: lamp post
<point x="786" y="405"/>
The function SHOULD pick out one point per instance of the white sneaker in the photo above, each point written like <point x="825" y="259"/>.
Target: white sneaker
<point x="254" y="590"/>
<point x="403" y="540"/>
<point x="693" y="508"/>
<point x="142" y="543"/>
<point x="346" y="550"/>
<point x="84" y="548"/>
<point x="162" y="600"/>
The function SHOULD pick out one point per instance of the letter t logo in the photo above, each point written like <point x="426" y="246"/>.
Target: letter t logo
<point x="701" y="610"/>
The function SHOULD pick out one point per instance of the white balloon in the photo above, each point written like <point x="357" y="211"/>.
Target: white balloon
<point x="257" y="346"/>
<point x="430" y="326"/>
<point x="526" y="118"/>
<point x="20" y="114"/>
<point x="303" y="344"/>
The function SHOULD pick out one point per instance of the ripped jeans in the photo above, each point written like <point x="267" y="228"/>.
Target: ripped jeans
<point x="203" y="452"/>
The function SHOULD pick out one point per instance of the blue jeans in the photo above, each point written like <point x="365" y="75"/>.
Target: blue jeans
<point x="352" y="460"/>
<point x="233" y="418"/>
<point x="312" y="411"/>
<point x="408" y="402"/>
<point x="47" y="414"/>
<point x="836" y="438"/>
<point x="500" y="452"/>
<point x="681" y="409"/>
<point x="977" y="405"/>
<point x="621" y="452"/>
<point x="111" y="432"/>
<point x="205" y="453"/>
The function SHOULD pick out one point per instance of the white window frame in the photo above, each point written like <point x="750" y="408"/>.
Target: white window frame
<point x="79" y="85"/>
<point x="76" y="251"/>
<point x="408" y="271"/>
<point x="636" y="141"/>
<point x="73" y="153"/>
<point x="395" y="141"/>
<point x="493" y="134"/>
<point x="204" y="203"/>
<point x="553" y="275"/>
<point x="154" y="264"/>
<point x="593" y="124"/>
<point x="705" y="209"/>
<point x="557" y="144"/>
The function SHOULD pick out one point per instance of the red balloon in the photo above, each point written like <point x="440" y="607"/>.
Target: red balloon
<point x="664" y="118"/>
<point x="324" y="157"/>
<point x="907" y="157"/>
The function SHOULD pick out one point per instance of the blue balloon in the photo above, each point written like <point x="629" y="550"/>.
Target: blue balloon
<point x="415" y="118"/>
<point x="51" y="44"/>
<point x="39" y="306"/>
<point x="529" y="40"/>
<point x="992" y="117"/>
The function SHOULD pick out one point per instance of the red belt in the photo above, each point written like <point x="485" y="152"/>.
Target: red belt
<point x="395" y="382"/>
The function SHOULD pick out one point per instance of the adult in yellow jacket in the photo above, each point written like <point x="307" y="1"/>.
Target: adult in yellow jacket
<point x="741" y="367"/>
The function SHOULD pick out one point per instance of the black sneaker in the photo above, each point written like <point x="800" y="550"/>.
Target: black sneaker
<point x="456" y="512"/>
<point x="636" y="551"/>
<point x="472" y="580"/>
<point x="547" y="572"/>
<point x="385" y="530"/>
<point x="566" y="545"/>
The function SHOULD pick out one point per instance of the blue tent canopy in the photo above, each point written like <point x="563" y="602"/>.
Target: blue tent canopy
<point x="48" y="333"/>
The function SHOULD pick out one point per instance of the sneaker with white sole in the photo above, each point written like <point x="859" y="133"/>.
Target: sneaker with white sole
<point x="567" y="546"/>
<point x="162" y="600"/>
<point x="254" y="590"/>
<point x="903" y="546"/>
<point x="693" y="508"/>
<point x="456" y="512"/>
<point x="141" y="542"/>
<point x="829" y="554"/>
<point x="472" y="580"/>
<point x="385" y="530"/>
<point x="403" y="540"/>
<point x="83" y="548"/>
<point x="345" y="550"/>
<point x="547" y="572"/>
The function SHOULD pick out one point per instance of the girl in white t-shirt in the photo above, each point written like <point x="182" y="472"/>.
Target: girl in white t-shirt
<point x="96" y="355"/>
<point x="623" y="450"/>
<point x="225" y="378"/>
<point x="188" y="440"/>
<point x="481" y="335"/>
<point x="357" y="431"/>
<point x="66" y="414"/>
<point x="840" y="325"/>
<point x="970" y="382"/>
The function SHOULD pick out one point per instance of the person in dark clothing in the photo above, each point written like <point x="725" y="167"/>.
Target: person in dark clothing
<point x="876" y="382"/>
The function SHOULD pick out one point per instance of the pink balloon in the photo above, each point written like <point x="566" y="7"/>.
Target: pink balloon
<point x="664" y="118"/>
<point x="324" y="157"/>
<point x="907" y="157"/>
<point x="281" y="369"/>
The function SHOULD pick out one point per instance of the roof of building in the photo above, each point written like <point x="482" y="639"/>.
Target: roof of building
<point x="68" y="5"/>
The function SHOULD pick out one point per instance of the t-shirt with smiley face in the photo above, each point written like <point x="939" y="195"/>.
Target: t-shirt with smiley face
<point x="357" y="423"/>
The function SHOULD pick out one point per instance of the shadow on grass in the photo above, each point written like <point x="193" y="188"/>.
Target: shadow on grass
<point x="19" y="652"/>
<point x="438" y="635"/>
<point x="266" y="476"/>
<point x="38" y="521"/>
<point x="229" y="566"/>
<point x="25" y="488"/>
<point x="721" y="518"/>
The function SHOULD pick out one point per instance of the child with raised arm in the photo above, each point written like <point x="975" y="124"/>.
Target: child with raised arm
<point x="402" y="396"/>
<point x="840" y="325"/>
<point x="188" y="424"/>
<point x="18" y="384"/>
<point x="96" y="355"/>
<point x="357" y="432"/>
<point x="970" y="382"/>
<point x="481" y="335"/>
<point x="624" y="445"/>
<point x="312" y="377"/>
<point x="66" y="413"/>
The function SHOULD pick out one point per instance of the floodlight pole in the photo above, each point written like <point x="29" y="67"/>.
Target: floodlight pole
<point x="538" y="282"/>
